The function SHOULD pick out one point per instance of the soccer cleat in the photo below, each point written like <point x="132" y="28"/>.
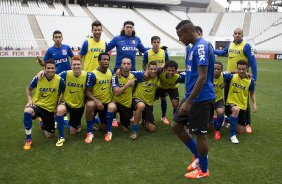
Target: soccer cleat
<point x="115" y="123"/>
<point x="40" y="122"/>
<point x="27" y="145"/>
<point x="196" y="174"/>
<point x="60" y="142"/>
<point x="234" y="139"/>
<point x="194" y="165"/>
<point x="216" y="135"/>
<point x="165" y="120"/>
<point x="133" y="135"/>
<point x="108" y="136"/>
<point x="249" y="129"/>
<point x="89" y="138"/>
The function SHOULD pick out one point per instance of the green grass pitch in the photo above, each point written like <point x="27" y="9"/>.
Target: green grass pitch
<point x="153" y="158"/>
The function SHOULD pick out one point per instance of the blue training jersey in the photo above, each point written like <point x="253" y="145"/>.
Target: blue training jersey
<point x="187" y="65"/>
<point x="61" y="57"/>
<point x="126" y="46"/>
<point x="202" y="54"/>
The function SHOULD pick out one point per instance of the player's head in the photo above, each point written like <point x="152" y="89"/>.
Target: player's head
<point x="186" y="32"/>
<point x="156" y="41"/>
<point x="125" y="64"/>
<point x="104" y="60"/>
<point x="218" y="67"/>
<point x="96" y="29"/>
<point x="152" y="69"/>
<point x="242" y="67"/>
<point x="76" y="65"/>
<point x="57" y="37"/>
<point x="170" y="68"/>
<point x="199" y="31"/>
<point x="50" y="68"/>
<point x="238" y="35"/>
<point x="128" y="28"/>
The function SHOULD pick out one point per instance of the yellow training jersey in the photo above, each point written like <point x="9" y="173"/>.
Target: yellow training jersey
<point x="102" y="89"/>
<point x="47" y="93"/>
<point x="125" y="98"/>
<point x="146" y="90"/>
<point x="74" y="91"/>
<point x="218" y="87"/>
<point x="239" y="91"/>
<point x="168" y="83"/>
<point x="235" y="53"/>
<point x="90" y="62"/>
<point x="158" y="57"/>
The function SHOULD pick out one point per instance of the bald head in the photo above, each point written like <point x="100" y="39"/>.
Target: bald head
<point x="238" y="35"/>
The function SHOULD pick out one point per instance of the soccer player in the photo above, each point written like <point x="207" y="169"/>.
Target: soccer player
<point x="144" y="97"/>
<point x="238" y="50"/>
<point x="155" y="53"/>
<point x="92" y="47"/>
<point x="241" y="85"/>
<point x="73" y="99"/>
<point x="168" y="85"/>
<point x="99" y="91"/>
<point x="219" y="102"/>
<point x="60" y="53"/>
<point x="197" y="105"/>
<point x="43" y="103"/>
<point x="123" y="89"/>
<point x="126" y="45"/>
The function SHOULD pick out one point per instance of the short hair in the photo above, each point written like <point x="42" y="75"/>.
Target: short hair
<point x="76" y="57"/>
<point x="184" y="23"/>
<point x="171" y="63"/>
<point x="122" y="32"/>
<point x="155" y="38"/>
<point x="57" y="32"/>
<point x="50" y="61"/>
<point x="152" y="63"/>
<point x="242" y="62"/>
<point x="96" y="23"/>
<point x="125" y="58"/>
<point x="198" y="29"/>
<point x="219" y="63"/>
<point x="103" y="54"/>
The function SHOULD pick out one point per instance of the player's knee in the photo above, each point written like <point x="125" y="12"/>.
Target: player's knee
<point x="90" y="105"/>
<point x="174" y="103"/>
<point x="141" y="106"/>
<point x="240" y="129"/>
<point x="28" y="110"/>
<point x="112" y="107"/>
<point x="176" y="127"/>
<point x="61" y="110"/>
<point x="235" y="110"/>
<point x="220" y="111"/>
<point x="151" y="127"/>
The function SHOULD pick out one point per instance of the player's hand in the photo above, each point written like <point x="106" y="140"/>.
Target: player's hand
<point x="30" y="104"/>
<point x="40" y="74"/>
<point x="184" y="108"/>
<point x="38" y="59"/>
<point x="99" y="105"/>
<point x="254" y="108"/>
<point x="131" y="82"/>
<point x="118" y="73"/>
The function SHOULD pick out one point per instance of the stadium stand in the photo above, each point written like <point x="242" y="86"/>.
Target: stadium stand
<point x="77" y="10"/>
<point x="229" y="22"/>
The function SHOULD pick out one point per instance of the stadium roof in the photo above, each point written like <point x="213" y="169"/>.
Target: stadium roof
<point x="162" y="2"/>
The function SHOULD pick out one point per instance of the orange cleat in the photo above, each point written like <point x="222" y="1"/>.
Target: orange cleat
<point x="108" y="136"/>
<point x="216" y="135"/>
<point x="196" y="174"/>
<point x="27" y="145"/>
<point x="194" y="165"/>
<point x="165" y="121"/>
<point x="89" y="138"/>
<point x="249" y="129"/>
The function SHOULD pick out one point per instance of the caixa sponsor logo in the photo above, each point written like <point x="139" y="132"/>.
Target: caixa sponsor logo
<point x="278" y="56"/>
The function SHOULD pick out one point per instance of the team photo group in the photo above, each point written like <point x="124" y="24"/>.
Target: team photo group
<point x="72" y="85"/>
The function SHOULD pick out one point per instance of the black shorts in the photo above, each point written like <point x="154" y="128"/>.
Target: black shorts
<point x="75" y="115"/>
<point x="219" y="104"/>
<point x="147" y="114"/>
<point x="242" y="116"/>
<point x="47" y="118"/>
<point x="125" y="114"/>
<point x="199" y="116"/>
<point x="102" y="114"/>
<point x="173" y="93"/>
<point x="184" y="118"/>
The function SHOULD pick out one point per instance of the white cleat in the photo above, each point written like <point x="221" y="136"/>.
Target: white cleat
<point x="234" y="139"/>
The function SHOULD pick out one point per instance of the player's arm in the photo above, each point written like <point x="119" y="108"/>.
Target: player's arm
<point x="120" y="90"/>
<point x="112" y="44"/>
<point x="253" y="96"/>
<point x="40" y="61"/>
<point x="28" y="91"/>
<point x="145" y="60"/>
<point x="62" y="87"/>
<point x="91" y="79"/>
<point x="181" y="78"/>
<point x="251" y="59"/>
<point x="223" y="52"/>
<point x="70" y="53"/>
<point x="83" y="50"/>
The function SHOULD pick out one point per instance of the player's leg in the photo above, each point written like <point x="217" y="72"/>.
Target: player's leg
<point x="219" y="107"/>
<point x="27" y="120"/>
<point x="248" y="118"/>
<point x="179" y="127"/>
<point x="125" y="116"/>
<point x="49" y="123"/>
<point x="61" y="111"/>
<point x="109" y="118"/>
<point x="174" y="98"/>
<point x="90" y="108"/>
<point x="200" y="114"/>
<point x="139" y="107"/>
<point x="75" y="120"/>
<point x="150" y="124"/>
<point x="242" y="118"/>
<point x="233" y="123"/>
